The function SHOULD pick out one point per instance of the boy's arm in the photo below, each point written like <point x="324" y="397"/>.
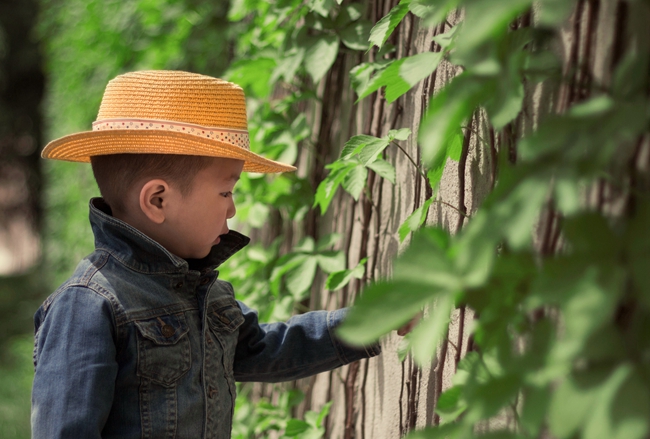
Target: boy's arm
<point x="303" y="346"/>
<point x="75" y="366"/>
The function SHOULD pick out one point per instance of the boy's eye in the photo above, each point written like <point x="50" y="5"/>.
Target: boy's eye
<point x="226" y="194"/>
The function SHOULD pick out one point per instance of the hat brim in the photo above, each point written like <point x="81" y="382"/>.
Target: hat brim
<point x="79" y="147"/>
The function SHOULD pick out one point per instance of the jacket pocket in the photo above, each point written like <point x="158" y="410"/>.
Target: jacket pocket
<point x="164" y="353"/>
<point x="224" y="316"/>
<point x="224" y="319"/>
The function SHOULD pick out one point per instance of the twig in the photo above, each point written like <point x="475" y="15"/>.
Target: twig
<point x="453" y="207"/>
<point x="411" y="159"/>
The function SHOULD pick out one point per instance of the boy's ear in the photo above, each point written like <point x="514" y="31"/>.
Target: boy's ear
<point x="154" y="198"/>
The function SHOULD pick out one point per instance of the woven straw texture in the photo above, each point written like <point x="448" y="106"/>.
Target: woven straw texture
<point x="169" y="96"/>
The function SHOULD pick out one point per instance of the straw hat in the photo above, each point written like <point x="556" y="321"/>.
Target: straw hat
<point x="167" y="112"/>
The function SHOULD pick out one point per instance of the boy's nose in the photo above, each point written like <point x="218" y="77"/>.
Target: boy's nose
<point x="231" y="210"/>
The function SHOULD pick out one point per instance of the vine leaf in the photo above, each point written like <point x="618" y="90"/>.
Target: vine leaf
<point x="385" y="27"/>
<point x="451" y="404"/>
<point x="320" y="55"/>
<point x="327" y="188"/>
<point x="453" y="150"/>
<point x="414" y="220"/>
<point x="431" y="330"/>
<point x="401" y="134"/>
<point x="359" y="154"/>
<point x="448" y="110"/>
<point x="355" y="181"/>
<point x="554" y="12"/>
<point x="288" y="65"/>
<point x="423" y="273"/>
<point x="338" y="279"/>
<point x="298" y="268"/>
<point x="322" y="7"/>
<point x="417" y="67"/>
<point x="383" y="169"/>
<point x="355" y="35"/>
<point x="365" y="147"/>
<point x="389" y="78"/>
<point x="360" y="75"/>
<point x="477" y="30"/>
<point x="253" y="75"/>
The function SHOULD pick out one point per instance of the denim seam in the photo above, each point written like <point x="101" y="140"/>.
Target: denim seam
<point x="177" y="269"/>
<point x="281" y="371"/>
<point x="337" y="346"/>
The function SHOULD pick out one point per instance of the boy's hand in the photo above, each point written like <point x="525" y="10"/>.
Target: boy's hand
<point x="408" y="327"/>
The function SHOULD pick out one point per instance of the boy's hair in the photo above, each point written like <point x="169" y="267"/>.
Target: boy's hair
<point x="117" y="173"/>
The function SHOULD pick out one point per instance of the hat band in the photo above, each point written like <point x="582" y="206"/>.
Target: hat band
<point x="228" y="135"/>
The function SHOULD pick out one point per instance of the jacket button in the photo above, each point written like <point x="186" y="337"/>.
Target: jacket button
<point x="204" y="281"/>
<point x="179" y="285"/>
<point x="212" y="392"/>
<point x="167" y="330"/>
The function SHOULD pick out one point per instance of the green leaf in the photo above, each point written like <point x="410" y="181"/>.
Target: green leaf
<point x="327" y="188"/>
<point x="331" y="261"/>
<point x="327" y="241"/>
<point x="384" y="306"/>
<point x="401" y="134"/>
<point x="421" y="9"/>
<point x="355" y="35"/>
<point x="489" y="398"/>
<point x="385" y="27"/>
<point x="383" y="169"/>
<point x="356" y="144"/>
<point x="555" y="12"/>
<point x="477" y="29"/>
<point x="320" y="55"/>
<point x="288" y="65"/>
<point x="445" y="40"/>
<point x="448" y="110"/>
<point x="447" y="431"/>
<point x="367" y="148"/>
<point x="323" y="414"/>
<point x="415" y="220"/>
<point x="427" y="260"/>
<point x="360" y="75"/>
<point x="417" y="67"/>
<point x="389" y="78"/>
<point x="338" y="279"/>
<point x="596" y="106"/>
<point x="534" y="412"/>
<point x="300" y="279"/>
<point x="355" y="181"/>
<point x="629" y="80"/>
<point x="431" y="330"/>
<point x="321" y="7"/>
<point x="295" y="427"/>
<point x="506" y="104"/>
<point x="253" y="75"/>
<point x="453" y="150"/>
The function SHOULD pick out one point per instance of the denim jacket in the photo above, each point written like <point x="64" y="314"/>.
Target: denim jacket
<point x="139" y="343"/>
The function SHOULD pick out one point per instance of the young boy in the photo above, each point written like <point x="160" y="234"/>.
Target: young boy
<point x="144" y="340"/>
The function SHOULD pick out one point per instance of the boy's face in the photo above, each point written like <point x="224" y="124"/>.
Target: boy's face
<point x="197" y="219"/>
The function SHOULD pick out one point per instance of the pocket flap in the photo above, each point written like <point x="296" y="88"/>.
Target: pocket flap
<point x="225" y="316"/>
<point x="164" y="330"/>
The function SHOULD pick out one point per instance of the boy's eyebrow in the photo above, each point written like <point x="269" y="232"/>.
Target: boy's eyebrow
<point x="234" y="177"/>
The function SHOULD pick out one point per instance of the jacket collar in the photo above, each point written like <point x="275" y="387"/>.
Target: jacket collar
<point x="141" y="253"/>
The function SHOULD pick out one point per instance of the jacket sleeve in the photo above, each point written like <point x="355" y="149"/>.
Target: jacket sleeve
<point x="75" y="365"/>
<point x="303" y="346"/>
